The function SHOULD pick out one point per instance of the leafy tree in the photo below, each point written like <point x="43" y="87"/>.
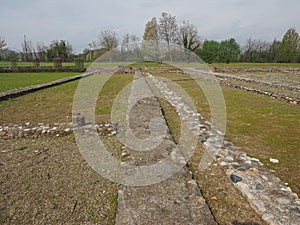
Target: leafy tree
<point x="60" y="49"/>
<point x="288" y="51"/>
<point x="151" y="30"/>
<point x="210" y="51"/>
<point x="273" y="51"/>
<point x="151" y="41"/>
<point x="168" y="30"/>
<point x="229" y="51"/>
<point x="108" y="39"/>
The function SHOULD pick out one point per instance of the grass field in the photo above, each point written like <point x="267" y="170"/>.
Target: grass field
<point x="9" y="81"/>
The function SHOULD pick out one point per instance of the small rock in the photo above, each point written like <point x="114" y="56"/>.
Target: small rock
<point x="223" y="164"/>
<point x="242" y="169"/>
<point x="254" y="160"/>
<point x="255" y="170"/>
<point x="214" y="198"/>
<point x="294" y="195"/>
<point x="67" y="129"/>
<point x="274" y="160"/>
<point x="235" y="179"/>
<point x="229" y="158"/>
<point x="259" y="187"/>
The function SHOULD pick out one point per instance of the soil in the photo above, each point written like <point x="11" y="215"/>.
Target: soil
<point x="47" y="181"/>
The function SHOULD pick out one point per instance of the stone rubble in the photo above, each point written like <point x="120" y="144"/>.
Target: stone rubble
<point x="271" y="199"/>
<point x="270" y="94"/>
<point x="28" y="130"/>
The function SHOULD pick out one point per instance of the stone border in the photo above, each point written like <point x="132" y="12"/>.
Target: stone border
<point x="29" y="89"/>
<point x="249" y="80"/>
<point x="269" y="94"/>
<point x="34" y="131"/>
<point x="253" y="70"/>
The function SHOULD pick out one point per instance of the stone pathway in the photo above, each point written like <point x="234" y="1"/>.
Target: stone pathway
<point x="270" y="198"/>
<point x="174" y="200"/>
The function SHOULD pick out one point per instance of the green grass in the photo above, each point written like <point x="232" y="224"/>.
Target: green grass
<point x="9" y="81"/>
<point x="21" y="148"/>
<point x="53" y="105"/>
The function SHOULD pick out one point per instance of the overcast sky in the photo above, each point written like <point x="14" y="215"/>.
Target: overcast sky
<point x="80" y="22"/>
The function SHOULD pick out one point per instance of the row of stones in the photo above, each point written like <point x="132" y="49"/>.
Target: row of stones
<point x="59" y="129"/>
<point x="269" y="94"/>
<point x="248" y="80"/>
<point x="271" y="199"/>
<point x="22" y="91"/>
<point x="255" y="70"/>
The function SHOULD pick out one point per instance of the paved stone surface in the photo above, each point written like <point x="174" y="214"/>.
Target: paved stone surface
<point x="177" y="200"/>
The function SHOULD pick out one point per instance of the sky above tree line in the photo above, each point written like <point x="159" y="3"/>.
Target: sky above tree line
<point x="80" y="22"/>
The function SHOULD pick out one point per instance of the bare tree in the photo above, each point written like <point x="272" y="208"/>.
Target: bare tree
<point x="255" y="51"/>
<point x="29" y="52"/>
<point x="168" y="30"/>
<point x="41" y="51"/>
<point x="108" y="39"/>
<point x="129" y="38"/>
<point x="188" y="38"/>
<point x="2" y="43"/>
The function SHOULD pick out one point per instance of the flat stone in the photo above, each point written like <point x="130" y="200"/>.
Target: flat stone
<point x="267" y="217"/>
<point x="259" y="205"/>
<point x="284" y="201"/>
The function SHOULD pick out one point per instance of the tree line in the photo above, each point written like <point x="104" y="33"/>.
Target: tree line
<point x="165" y="28"/>
<point x="61" y="50"/>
